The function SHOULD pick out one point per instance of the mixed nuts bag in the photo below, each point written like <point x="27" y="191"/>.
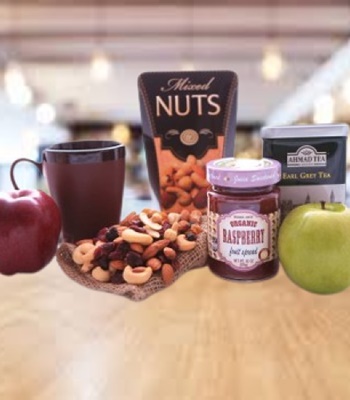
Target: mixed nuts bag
<point x="188" y="119"/>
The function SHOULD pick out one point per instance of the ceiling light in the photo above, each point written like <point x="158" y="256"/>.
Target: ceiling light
<point x="16" y="88"/>
<point x="20" y="96"/>
<point x="345" y="91"/>
<point x="324" y="110"/>
<point x="45" y="113"/>
<point x="188" y="65"/>
<point x="100" y="68"/>
<point x="13" y="76"/>
<point x="272" y="64"/>
<point x="121" y="133"/>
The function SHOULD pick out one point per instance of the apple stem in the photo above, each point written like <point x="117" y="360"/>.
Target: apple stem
<point x="323" y="205"/>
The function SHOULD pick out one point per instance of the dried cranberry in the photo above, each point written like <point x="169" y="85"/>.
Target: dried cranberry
<point x="97" y="253"/>
<point x="107" y="248"/>
<point x="174" y="246"/>
<point x="190" y="236"/>
<point x="101" y="235"/>
<point x="137" y="222"/>
<point x="120" y="252"/>
<point x="137" y="228"/>
<point x="111" y="234"/>
<point x="133" y="259"/>
<point x="166" y="225"/>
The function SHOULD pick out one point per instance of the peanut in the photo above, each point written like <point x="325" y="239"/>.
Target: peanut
<point x="154" y="263"/>
<point x="101" y="275"/>
<point x="169" y="253"/>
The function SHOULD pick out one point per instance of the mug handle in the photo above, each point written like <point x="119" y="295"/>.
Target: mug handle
<point x="13" y="165"/>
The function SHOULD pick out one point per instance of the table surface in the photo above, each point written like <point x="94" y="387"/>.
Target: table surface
<point x="201" y="338"/>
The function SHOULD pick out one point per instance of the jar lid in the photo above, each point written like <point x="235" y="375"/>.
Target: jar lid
<point x="243" y="173"/>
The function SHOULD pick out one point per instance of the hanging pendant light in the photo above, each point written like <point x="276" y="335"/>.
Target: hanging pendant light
<point x="324" y="109"/>
<point x="100" y="67"/>
<point x="16" y="88"/>
<point x="272" y="63"/>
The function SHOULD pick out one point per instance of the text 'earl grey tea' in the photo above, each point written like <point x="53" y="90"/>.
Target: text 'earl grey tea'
<point x="188" y="119"/>
<point x="313" y="159"/>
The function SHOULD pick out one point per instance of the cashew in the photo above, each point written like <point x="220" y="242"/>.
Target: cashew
<point x="148" y="222"/>
<point x="151" y="232"/>
<point x="83" y="252"/>
<point x="183" y="197"/>
<point x="101" y="275"/>
<point x="138" y="275"/>
<point x="184" y="244"/>
<point x="82" y="241"/>
<point x="86" y="267"/>
<point x="198" y="180"/>
<point x="131" y="236"/>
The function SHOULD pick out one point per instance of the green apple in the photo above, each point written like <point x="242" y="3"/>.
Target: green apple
<point x="314" y="247"/>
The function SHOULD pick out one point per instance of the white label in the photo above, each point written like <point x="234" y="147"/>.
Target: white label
<point x="244" y="239"/>
<point x="307" y="156"/>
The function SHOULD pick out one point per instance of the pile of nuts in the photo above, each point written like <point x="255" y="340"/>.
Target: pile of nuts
<point x="139" y="246"/>
<point x="184" y="184"/>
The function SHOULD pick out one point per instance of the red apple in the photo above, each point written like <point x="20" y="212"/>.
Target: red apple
<point x="30" y="225"/>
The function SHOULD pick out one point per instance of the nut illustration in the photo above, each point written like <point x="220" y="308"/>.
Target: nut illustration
<point x="184" y="185"/>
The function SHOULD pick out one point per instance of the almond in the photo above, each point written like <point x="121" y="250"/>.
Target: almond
<point x="169" y="253"/>
<point x="154" y="248"/>
<point x="137" y="247"/>
<point x="167" y="274"/>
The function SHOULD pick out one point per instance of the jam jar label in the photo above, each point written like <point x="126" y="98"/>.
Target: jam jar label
<point x="243" y="239"/>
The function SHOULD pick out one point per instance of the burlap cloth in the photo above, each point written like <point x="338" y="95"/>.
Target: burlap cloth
<point x="184" y="262"/>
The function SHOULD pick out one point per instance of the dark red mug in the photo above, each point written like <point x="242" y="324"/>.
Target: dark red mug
<point x="86" y="179"/>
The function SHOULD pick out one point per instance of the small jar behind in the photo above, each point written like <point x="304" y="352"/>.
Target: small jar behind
<point x="243" y="218"/>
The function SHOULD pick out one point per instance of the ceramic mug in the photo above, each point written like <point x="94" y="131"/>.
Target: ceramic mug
<point x="86" y="179"/>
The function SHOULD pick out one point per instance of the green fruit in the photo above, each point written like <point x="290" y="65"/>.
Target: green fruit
<point x="314" y="247"/>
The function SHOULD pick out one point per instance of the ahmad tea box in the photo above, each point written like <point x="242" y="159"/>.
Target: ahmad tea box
<point x="313" y="159"/>
<point x="188" y="119"/>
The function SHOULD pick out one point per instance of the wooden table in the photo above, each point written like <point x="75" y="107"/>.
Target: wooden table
<point x="202" y="338"/>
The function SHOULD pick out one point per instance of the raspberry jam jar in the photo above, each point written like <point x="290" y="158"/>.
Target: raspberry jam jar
<point x="243" y="218"/>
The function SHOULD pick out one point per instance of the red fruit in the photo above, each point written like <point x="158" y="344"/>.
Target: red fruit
<point x="30" y="224"/>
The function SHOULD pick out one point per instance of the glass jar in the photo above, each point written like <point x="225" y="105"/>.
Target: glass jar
<point x="243" y="218"/>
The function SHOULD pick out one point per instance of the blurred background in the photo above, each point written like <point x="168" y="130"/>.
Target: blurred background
<point x="69" y="69"/>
